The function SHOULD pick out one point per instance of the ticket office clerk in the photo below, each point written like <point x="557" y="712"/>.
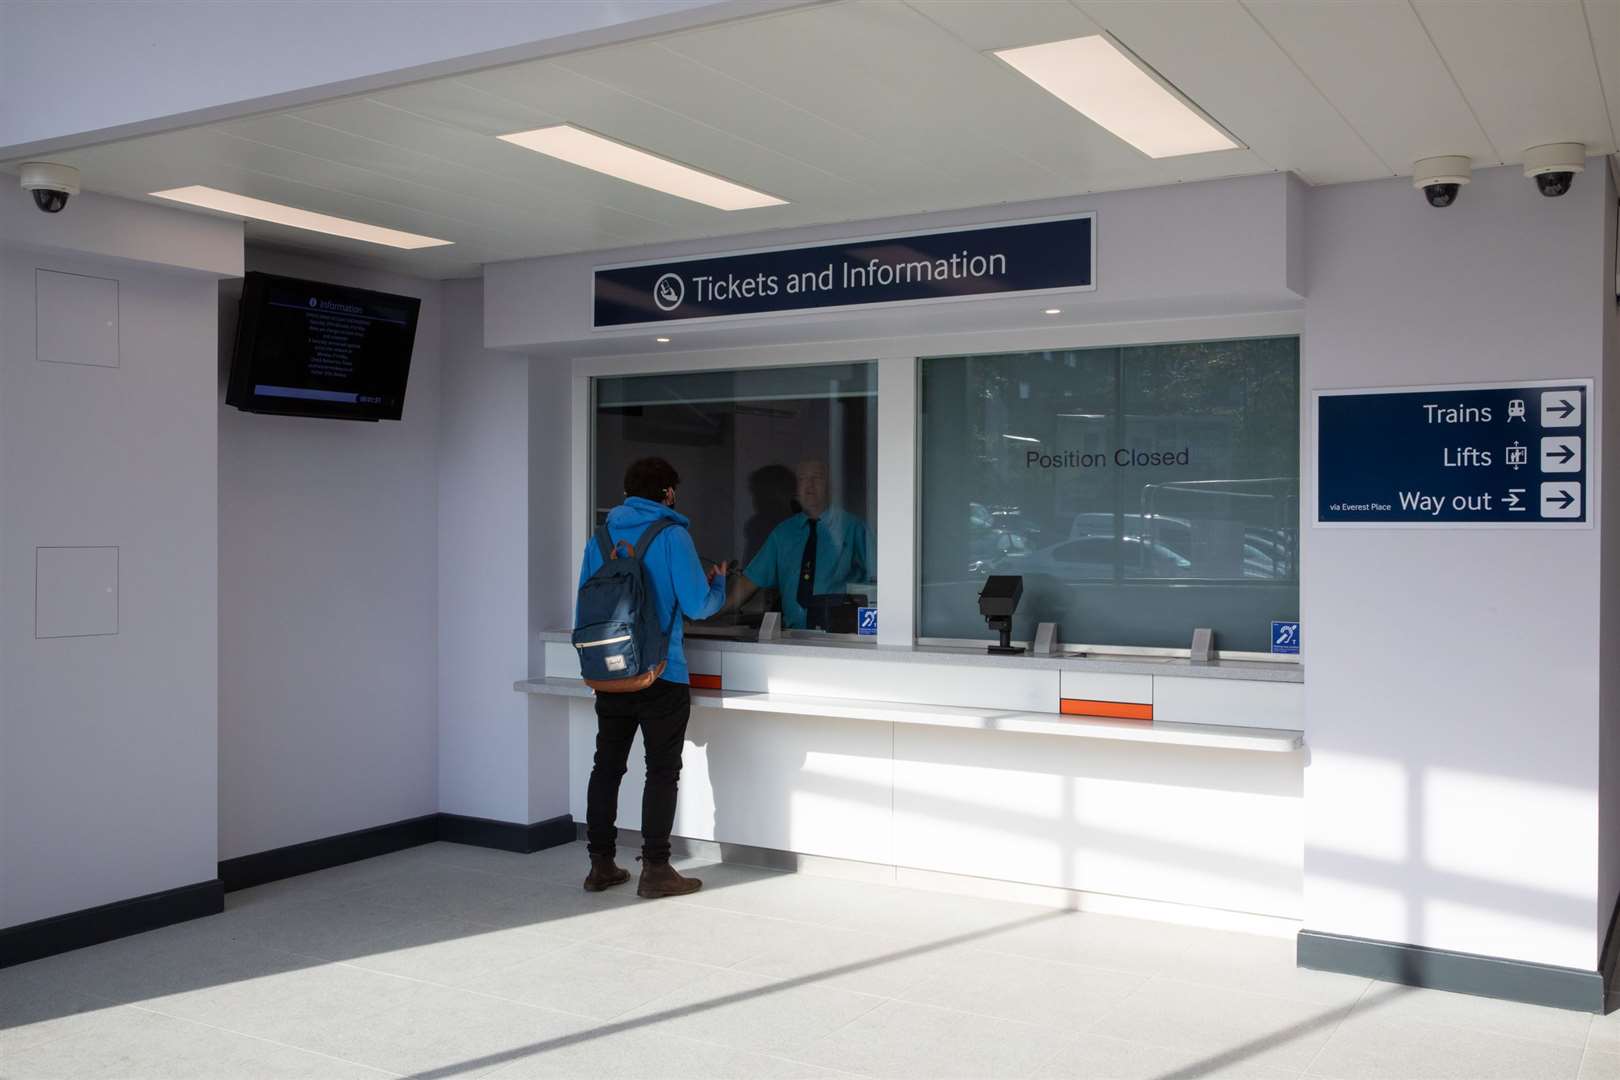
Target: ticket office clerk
<point x="813" y="553"/>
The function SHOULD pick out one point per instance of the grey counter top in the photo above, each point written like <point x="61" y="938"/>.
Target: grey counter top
<point x="844" y="648"/>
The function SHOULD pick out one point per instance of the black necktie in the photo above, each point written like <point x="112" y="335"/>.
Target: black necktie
<point x="807" y="569"/>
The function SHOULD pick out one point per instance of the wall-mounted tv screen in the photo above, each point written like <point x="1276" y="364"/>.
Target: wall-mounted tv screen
<point x="304" y="348"/>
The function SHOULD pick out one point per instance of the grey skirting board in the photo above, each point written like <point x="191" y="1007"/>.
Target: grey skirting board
<point x="76" y="929"/>
<point x="1440" y="969"/>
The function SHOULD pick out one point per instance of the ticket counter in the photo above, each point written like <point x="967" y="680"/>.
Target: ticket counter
<point x="1145" y="785"/>
<point x="1140" y="475"/>
<point x="1366" y="765"/>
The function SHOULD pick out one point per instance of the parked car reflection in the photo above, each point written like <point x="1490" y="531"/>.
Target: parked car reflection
<point x="996" y="533"/>
<point x="1001" y="540"/>
<point x="1093" y="557"/>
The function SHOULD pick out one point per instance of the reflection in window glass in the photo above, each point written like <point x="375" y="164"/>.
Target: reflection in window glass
<point x="1142" y="492"/>
<point x="768" y="458"/>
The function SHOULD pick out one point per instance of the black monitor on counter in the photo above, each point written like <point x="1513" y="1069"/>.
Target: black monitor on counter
<point x="304" y="348"/>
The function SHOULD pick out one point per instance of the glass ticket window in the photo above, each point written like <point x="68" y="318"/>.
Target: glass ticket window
<point x="1141" y="492"/>
<point x="778" y="472"/>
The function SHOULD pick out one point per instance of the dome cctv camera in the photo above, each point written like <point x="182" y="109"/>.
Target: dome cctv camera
<point x="1553" y="167"/>
<point x="1440" y="178"/>
<point x="51" y="184"/>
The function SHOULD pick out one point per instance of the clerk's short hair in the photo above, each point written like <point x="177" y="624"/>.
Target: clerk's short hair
<point x="649" y="478"/>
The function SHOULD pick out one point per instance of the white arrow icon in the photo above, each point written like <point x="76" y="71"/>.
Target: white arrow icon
<point x="1561" y="499"/>
<point x="1561" y="453"/>
<point x="1561" y="408"/>
<point x="1514" y="503"/>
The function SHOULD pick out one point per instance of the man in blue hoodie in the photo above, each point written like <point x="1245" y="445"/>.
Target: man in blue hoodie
<point x="680" y="587"/>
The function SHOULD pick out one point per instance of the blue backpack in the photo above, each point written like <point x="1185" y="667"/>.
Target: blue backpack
<point x="621" y="644"/>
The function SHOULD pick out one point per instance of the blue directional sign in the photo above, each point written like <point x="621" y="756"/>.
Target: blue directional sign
<point x="1463" y="455"/>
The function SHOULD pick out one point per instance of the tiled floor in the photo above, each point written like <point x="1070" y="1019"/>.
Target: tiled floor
<point x="448" y="961"/>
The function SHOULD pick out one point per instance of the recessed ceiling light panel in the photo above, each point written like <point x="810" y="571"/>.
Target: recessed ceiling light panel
<point x="1102" y="80"/>
<point x="616" y="159"/>
<point x="243" y="206"/>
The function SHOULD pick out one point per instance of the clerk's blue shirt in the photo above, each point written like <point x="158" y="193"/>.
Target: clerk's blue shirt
<point x="843" y="554"/>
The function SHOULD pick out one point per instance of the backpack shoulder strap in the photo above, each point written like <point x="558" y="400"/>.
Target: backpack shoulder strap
<point x="651" y="533"/>
<point x="604" y="543"/>
<point x="647" y="538"/>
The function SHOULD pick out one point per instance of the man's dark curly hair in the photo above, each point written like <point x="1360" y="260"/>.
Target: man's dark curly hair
<point x="649" y="478"/>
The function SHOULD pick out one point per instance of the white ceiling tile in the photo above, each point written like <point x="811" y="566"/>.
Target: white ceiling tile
<point x="1526" y="68"/>
<point x="483" y="194"/>
<point x="312" y="189"/>
<point x="901" y="82"/>
<point x="1004" y="24"/>
<point x="204" y="156"/>
<point x="873" y="108"/>
<point x="137" y="166"/>
<point x="1087" y="156"/>
<point x="380" y="119"/>
<point x="577" y="96"/>
<point x="701" y="142"/>
<point x="650" y="73"/>
<point x="457" y="105"/>
<point x="454" y="260"/>
<point x="379" y="198"/>
<point x="628" y="214"/>
<point x="1376" y="65"/>
<point x="1603" y="19"/>
<point x="1221" y="58"/>
<point x="1215" y="165"/>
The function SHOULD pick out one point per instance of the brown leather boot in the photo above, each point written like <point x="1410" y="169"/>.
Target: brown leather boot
<point x="605" y="874"/>
<point x="661" y="879"/>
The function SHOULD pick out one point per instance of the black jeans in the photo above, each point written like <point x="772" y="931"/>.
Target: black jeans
<point x="660" y="711"/>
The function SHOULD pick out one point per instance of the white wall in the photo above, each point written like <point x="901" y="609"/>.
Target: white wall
<point x="1214" y="248"/>
<point x="110" y="228"/>
<point x="328" y="593"/>
<point x="1452" y="675"/>
<point x="483" y="569"/>
<point x="1609" y="393"/>
<point x="108" y="753"/>
<point x="554" y="550"/>
<point x="69" y="67"/>
<point x="554" y="553"/>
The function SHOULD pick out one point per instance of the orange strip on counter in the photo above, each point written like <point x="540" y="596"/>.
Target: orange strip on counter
<point x="1112" y="710"/>
<point x="704" y="682"/>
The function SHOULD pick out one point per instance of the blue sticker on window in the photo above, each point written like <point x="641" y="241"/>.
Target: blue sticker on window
<point x="1285" y="637"/>
<point x="866" y="620"/>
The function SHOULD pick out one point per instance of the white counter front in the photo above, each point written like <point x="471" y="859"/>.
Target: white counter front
<point x="1145" y="783"/>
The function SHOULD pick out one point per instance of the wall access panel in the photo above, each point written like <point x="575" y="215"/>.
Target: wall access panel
<point x="75" y="591"/>
<point x="75" y="319"/>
